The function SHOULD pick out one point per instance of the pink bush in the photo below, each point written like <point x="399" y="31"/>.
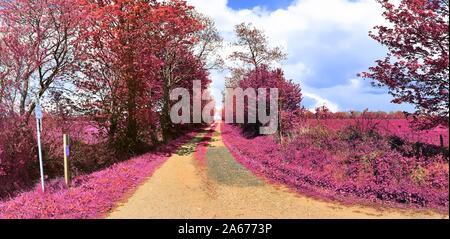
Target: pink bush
<point x="18" y="156"/>
<point x="91" y="196"/>
<point x="349" y="171"/>
<point x="398" y="127"/>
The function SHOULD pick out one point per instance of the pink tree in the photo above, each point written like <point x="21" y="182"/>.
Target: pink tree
<point x="416" y="67"/>
<point x="253" y="51"/>
<point x="136" y="51"/>
<point x="38" y="42"/>
<point x="290" y="95"/>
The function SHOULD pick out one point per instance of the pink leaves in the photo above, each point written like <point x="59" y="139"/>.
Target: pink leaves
<point x="290" y="95"/>
<point x="418" y="38"/>
<point x="321" y="163"/>
<point x="91" y="196"/>
<point x="135" y="52"/>
<point x="39" y="44"/>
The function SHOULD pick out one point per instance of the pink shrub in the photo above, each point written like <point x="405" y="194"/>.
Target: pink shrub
<point x="362" y="170"/>
<point x="19" y="167"/>
<point x="397" y="127"/>
<point x="91" y="196"/>
<point x="18" y="156"/>
<point x="88" y="149"/>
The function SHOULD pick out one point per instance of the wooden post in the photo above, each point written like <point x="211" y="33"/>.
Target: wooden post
<point x="66" y="159"/>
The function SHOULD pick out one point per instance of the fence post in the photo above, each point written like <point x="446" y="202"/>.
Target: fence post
<point x="66" y="142"/>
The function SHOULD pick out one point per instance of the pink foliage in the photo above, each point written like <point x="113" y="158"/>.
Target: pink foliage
<point x="416" y="68"/>
<point x="17" y="156"/>
<point x="365" y="175"/>
<point x="91" y="196"/>
<point x="290" y="95"/>
<point x="398" y="127"/>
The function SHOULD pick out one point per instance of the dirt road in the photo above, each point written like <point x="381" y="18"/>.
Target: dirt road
<point x="218" y="187"/>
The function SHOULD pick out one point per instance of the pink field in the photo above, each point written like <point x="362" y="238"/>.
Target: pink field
<point x="398" y="127"/>
<point x="364" y="173"/>
<point x="91" y="196"/>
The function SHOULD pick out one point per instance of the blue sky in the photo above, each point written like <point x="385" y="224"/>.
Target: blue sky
<point x="326" y="41"/>
<point x="248" y="4"/>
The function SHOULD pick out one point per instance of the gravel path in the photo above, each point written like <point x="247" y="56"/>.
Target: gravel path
<point x="189" y="187"/>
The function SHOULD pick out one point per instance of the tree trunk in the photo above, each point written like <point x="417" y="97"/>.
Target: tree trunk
<point x="131" y="130"/>
<point x="23" y="97"/>
<point x="153" y="128"/>
<point x="165" y="115"/>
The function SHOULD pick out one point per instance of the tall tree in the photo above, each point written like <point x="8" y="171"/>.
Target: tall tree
<point x="209" y="43"/>
<point x="253" y="50"/>
<point x="175" y="49"/>
<point x="118" y="78"/>
<point x="416" y="67"/>
<point x="38" y="45"/>
<point x="137" y="51"/>
<point x="289" y="98"/>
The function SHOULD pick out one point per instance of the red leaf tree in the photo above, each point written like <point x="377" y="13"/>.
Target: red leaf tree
<point x="136" y="52"/>
<point x="38" y="47"/>
<point x="416" y="67"/>
<point x="252" y="51"/>
<point x="117" y="79"/>
<point x="290" y="97"/>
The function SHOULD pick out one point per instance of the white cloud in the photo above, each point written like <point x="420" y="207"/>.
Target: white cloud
<point x="321" y="102"/>
<point x="326" y="40"/>
<point x="355" y="94"/>
<point x="298" y="72"/>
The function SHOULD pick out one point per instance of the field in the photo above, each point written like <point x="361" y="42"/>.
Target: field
<point x="397" y="127"/>
<point x="348" y="165"/>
